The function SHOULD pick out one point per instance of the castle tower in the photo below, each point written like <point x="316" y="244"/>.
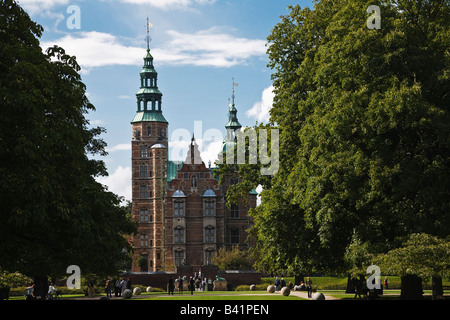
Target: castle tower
<point x="149" y="169"/>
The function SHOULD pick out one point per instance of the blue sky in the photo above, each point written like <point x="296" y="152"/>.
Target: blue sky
<point x="198" y="47"/>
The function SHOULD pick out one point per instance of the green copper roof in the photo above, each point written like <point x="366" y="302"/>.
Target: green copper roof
<point x="150" y="116"/>
<point x="148" y="70"/>
<point x="148" y="90"/>
<point x="172" y="169"/>
<point x="233" y="123"/>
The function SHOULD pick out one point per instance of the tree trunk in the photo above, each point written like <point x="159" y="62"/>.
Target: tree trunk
<point x="350" y="285"/>
<point x="438" y="292"/>
<point x="411" y="288"/>
<point x="41" y="289"/>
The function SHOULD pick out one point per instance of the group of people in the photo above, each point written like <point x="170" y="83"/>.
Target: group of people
<point x="195" y="283"/>
<point x="303" y="286"/>
<point x="118" y="285"/>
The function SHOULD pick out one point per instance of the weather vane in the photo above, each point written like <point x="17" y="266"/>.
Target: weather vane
<point x="149" y="25"/>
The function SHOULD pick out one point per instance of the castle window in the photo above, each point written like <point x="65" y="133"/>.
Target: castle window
<point x="209" y="235"/>
<point x="143" y="150"/>
<point x="143" y="171"/>
<point x="234" y="211"/>
<point x="179" y="257"/>
<point x="144" y="240"/>
<point x="149" y="130"/>
<point x="178" y="208"/>
<point x="143" y="215"/>
<point x="163" y="133"/>
<point x="209" y="208"/>
<point x="143" y="191"/>
<point x="178" y="235"/>
<point x="209" y="254"/>
<point x="234" y="236"/>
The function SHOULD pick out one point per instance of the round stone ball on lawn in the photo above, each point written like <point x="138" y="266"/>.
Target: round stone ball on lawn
<point x="137" y="291"/>
<point x="149" y="289"/>
<point x="285" y="291"/>
<point x="253" y="287"/>
<point x="127" y="294"/>
<point x="318" y="296"/>
<point x="271" y="288"/>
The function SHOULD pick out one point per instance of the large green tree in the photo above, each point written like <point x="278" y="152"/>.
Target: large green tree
<point x="364" y="131"/>
<point x="52" y="211"/>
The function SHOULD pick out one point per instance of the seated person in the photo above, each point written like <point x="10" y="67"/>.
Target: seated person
<point x="300" y="287"/>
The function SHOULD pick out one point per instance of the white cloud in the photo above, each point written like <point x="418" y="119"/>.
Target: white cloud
<point x="96" y="122"/>
<point x="119" y="182"/>
<point x="209" y="149"/>
<point x="120" y="147"/>
<point x="204" y="48"/>
<point x="260" y="110"/>
<point x="169" y="4"/>
<point x="97" y="49"/>
<point x="211" y="47"/>
<point x="37" y="6"/>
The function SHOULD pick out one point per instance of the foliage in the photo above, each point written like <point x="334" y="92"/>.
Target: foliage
<point x="12" y="280"/>
<point x="364" y="122"/>
<point x="54" y="214"/>
<point x="423" y="255"/>
<point x="142" y="263"/>
<point x="232" y="259"/>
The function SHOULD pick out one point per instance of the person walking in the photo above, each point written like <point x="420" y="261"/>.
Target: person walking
<point x="30" y="292"/>
<point x="170" y="286"/>
<point x="277" y="284"/>
<point x="91" y="292"/>
<point x="108" y="290"/>
<point x="309" y="287"/>
<point x="117" y="288"/>
<point x="180" y="285"/>
<point x="123" y="285"/>
<point x="192" y="285"/>
<point x="386" y="282"/>
<point x="204" y="284"/>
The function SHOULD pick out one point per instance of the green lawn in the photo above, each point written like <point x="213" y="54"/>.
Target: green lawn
<point x="331" y="286"/>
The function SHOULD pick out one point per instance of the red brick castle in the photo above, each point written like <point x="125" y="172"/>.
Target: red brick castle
<point x="179" y="207"/>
